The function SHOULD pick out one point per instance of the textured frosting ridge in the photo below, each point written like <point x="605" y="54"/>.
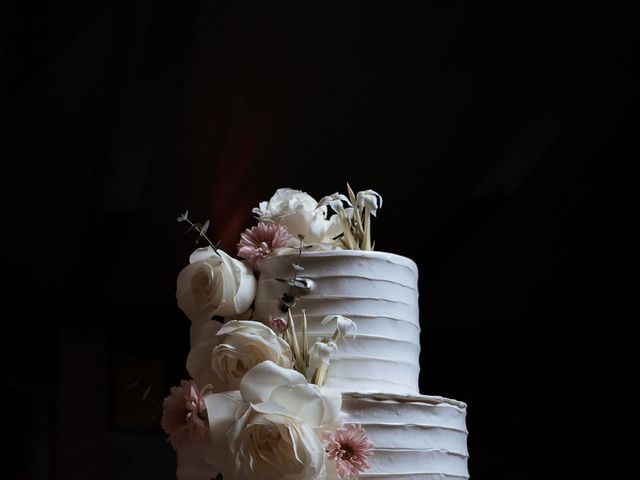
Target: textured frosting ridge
<point x="415" y="437"/>
<point x="376" y="290"/>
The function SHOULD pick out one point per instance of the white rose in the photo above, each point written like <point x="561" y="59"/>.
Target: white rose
<point x="214" y="284"/>
<point x="223" y="354"/>
<point x="268" y="430"/>
<point x="298" y="211"/>
<point x="199" y="358"/>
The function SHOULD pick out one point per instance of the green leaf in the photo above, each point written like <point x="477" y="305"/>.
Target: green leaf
<point x="352" y="195"/>
<point x="197" y="226"/>
<point x="182" y="217"/>
<point x="204" y="228"/>
<point x="296" y="283"/>
<point x="146" y="393"/>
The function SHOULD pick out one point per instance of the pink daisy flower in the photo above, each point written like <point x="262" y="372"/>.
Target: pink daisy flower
<point x="349" y="448"/>
<point x="184" y="415"/>
<point x="261" y="240"/>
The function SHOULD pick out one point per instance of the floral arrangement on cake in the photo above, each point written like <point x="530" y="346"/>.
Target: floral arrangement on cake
<point x="256" y="405"/>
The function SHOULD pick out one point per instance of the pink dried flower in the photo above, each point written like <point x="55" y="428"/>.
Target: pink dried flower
<point x="278" y="325"/>
<point x="184" y="414"/>
<point x="259" y="241"/>
<point x="349" y="448"/>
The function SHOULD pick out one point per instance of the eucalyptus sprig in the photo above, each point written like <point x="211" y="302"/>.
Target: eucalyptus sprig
<point x="199" y="227"/>
<point x="134" y="384"/>
<point x="296" y="285"/>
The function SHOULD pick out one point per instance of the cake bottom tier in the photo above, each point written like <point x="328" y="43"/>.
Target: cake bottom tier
<point x="415" y="437"/>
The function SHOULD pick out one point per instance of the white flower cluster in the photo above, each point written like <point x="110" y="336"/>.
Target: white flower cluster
<point x="299" y="212"/>
<point x="266" y="405"/>
<point x="266" y="419"/>
<point x="270" y="429"/>
<point x="302" y="215"/>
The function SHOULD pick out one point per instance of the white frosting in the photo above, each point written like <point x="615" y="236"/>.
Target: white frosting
<point x="415" y="437"/>
<point x="376" y="290"/>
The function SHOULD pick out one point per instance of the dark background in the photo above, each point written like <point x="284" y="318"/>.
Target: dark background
<point x="500" y="135"/>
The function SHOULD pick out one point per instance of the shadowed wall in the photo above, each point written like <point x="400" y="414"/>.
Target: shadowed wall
<point x="499" y="135"/>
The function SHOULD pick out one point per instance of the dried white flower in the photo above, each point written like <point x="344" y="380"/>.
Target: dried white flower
<point x="368" y="199"/>
<point x="334" y="201"/>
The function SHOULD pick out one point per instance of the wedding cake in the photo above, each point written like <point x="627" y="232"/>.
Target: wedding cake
<point x="313" y="372"/>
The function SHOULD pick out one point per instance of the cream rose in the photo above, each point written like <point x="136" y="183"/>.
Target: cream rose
<point x="214" y="284"/>
<point x="269" y="430"/>
<point x="199" y="358"/>
<point x="221" y="356"/>
<point x="299" y="212"/>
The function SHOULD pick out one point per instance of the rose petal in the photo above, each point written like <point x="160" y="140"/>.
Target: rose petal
<point x="227" y="285"/>
<point x="221" y="410"/>
<point x="205" y="253"/>
<point x="272" y="408"/>
<point x="207" y="331"/>
<point x="186" y="301"/>
<point x="270" y="444"/>
<point x="318" y="407"/>
<point x="199" y="358"/>
<point x="244" y="285"/>
<point x="234" y="325"/>
<point x="258" y="383"/>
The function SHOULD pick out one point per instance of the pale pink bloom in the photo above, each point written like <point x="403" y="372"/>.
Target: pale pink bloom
<point x="184" y="415"/>
<point x="278" y="325"/>
<point x="349" y="448"/>
<point x="260" y="241"/>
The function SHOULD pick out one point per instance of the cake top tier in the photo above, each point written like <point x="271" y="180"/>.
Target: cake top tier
<point x="378" y="291"/>
<point x="342" y="314"/>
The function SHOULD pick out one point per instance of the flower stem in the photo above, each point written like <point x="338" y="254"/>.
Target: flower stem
<point x="305" y="340"/>
<point x="367" y="230"/>
<point x="350" y="242"/>
<point x="295" y="346"/>
<point x="145" y="393"/>
<point x="320" y="375"/>
<point x="193" y="225"/>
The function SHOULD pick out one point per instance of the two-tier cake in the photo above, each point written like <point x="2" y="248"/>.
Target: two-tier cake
<point x="314" y="372"/>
